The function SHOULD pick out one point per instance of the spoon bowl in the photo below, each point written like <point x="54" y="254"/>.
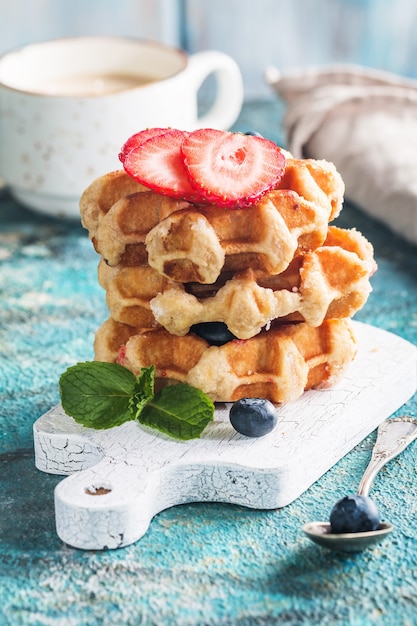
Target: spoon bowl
<point x="320" y="533"/>
<point x="394" y="435"/>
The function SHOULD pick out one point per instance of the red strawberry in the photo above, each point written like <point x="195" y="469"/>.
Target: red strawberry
<point x="157" y="164"/>
<point x="139" y="138"/>
<point x="231" y="169"/>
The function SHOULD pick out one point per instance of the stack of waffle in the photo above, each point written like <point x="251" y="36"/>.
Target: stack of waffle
<point x="282" y="280"/>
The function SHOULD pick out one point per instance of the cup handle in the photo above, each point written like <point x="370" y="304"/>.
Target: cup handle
<point x="229" y="98"/>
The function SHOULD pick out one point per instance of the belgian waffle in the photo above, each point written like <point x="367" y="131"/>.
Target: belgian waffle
<point x="100" y="196"/>
<point x="121" y="216"/>
<point x="129" y="291"/>
<point x="278" y="365"/>
<point x="110" y="337"/>
<point x="331" y="281"/>
<point x="195" y="245"/>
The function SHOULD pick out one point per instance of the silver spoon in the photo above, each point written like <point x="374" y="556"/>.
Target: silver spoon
<point x="394" y="435"/>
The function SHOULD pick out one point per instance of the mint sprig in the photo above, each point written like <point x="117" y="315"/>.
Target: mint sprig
<point x="102" y="395"/>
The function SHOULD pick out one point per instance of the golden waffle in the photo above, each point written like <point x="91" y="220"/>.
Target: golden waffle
<point x="121" y="232"/>
<point x="199" y="242"/>
<point x="317" y="181"/>
<point x="129" y="291"/>
<point x="278" y="365"/>
<point x="196" y="245"/>
<point x="100" y="196"/>
<point x="331" y="281"/>
<point x="110" y="337"/>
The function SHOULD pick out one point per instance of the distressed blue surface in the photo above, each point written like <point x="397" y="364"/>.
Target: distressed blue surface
<point x="199" y="564"/>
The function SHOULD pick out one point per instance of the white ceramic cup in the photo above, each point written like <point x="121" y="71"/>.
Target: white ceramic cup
<point x="67" y="106"/>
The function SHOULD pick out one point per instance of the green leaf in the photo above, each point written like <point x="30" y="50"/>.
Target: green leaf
<point x="102" y="395"/>
<point x="97" y="394"/>
<point x="143" y="391"/>
<point x="179" y="410"/>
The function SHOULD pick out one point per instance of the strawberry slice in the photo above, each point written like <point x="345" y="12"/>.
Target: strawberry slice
<point x="139" y="138"/>
<point x="157" y="163"/>
<point x="231" y="169"/>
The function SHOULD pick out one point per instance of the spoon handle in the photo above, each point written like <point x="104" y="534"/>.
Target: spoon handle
<point x="394" y="435"/>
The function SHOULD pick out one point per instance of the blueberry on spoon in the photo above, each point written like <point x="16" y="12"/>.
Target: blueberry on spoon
<point x="354" y="520"/>
<point x="354" y="514"/>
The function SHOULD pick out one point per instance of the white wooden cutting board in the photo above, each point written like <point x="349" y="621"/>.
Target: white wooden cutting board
<point x="121" y="477"/>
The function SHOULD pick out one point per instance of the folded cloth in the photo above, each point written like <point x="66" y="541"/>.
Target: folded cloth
<point x="365" y="122"/>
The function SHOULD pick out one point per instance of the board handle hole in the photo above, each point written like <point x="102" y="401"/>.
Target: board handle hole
<point x="97" y="490"/>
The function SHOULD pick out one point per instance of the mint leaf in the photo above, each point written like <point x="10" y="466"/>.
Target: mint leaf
<point x="179" y="410"/>
<point x="143" y="391"/>
<point x="102" y="395"/>
<point x="97" y="394"/>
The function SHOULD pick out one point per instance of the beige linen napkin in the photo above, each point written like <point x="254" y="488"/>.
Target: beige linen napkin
<point x="365" y="122"/>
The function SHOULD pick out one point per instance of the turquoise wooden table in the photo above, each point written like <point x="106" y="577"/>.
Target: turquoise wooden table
<point x="198" y="564"/>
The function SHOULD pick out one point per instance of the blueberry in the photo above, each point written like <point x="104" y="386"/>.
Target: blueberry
<point x="215" y="333"/>
<point x="354" y="514"/>
<point x="253" y="133"/>
<point x="253" y="417"/>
